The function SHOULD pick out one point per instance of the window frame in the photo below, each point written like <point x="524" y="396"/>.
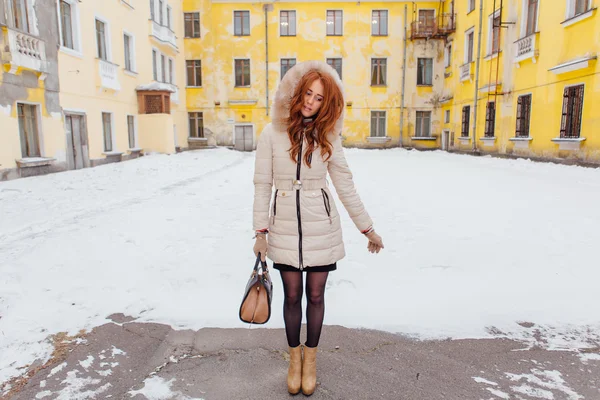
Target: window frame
<point x="288" y="34"/>
<point x="424" y="114"/>
<point x="387" y="23"/>
<point x="566" y="119"/>
<point x="523" y="120"/>
<point x="132" y="56"/>
<point x="198" y="116"/>
<point x="192" y="21"/>
<point x="446" y="116"/>
<point x="242" y="12"/>
<point x="465" y="121"/>
<point x="155" y="67"/>
<point x="422" y="80"/>
<point x="25" y="19"/>
<point x="195" y="69"/>
<point x="448" y="55"/>
<point x="471" y="4"/>
<point x="37" y="126"/>
<point x="333" y="59"/>
<point x="469" y="45"/>
<point x="334" y="11"/>
<point x="112" y="132"/>
<point x="281" y="62"/>
<point x="384" y="118"/>
<point x="373" y="59"/>
<point x="135" y="133"/>
<point x="492" y="35"/>
<point x="235" y="63"/>
<point x="490" y="120"/>
<point x="526" y="30"/>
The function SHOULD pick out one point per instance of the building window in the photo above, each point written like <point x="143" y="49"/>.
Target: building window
<point x="20" y="16"/>
<point x="242" y="72"/>
<point x="466" y="117"/>
<point x="163" y="68"/>
<point x="494" y="37"/>
<point x="169" y="14"/>
<point x="427" y="22"/>
<point x="336" y="63"/>
<point x="152" y="13"/>
<point x="28" y="130"/>
<point x="154" y="65"/>
<point x="423" y="124"/>
<point x="448" y="56"/>
<point x="447" y="117"/>
<point x="66" y="20"/>
<point x="471" y="5"/>
<point x="171" y="72"/>
<point x="578" y="7"/>
<point x="196" y="125"/>
<point x="378" y="71"/>
<point x="490" y="119"/>
<point x="570" y="126"/>
<point x="107" y="131"/>
<point x="523" y="115"/>
<point x="101" y="39"/>
<point x="192" y="25"/>
<point x="379" y="23"/>
<point x="378" y="124"/>
<point x="286" y="64"/>
<point x="129" y="53"/>
<point x="161" y="4"/>
<point x="425" y="71"/>
<point x="194" y="72"/>
<point x="131" y="131"/>
<point x="532" y="9"/>
<point x="287" y="24"/>
<point x="241" y="22"/>
<point x="334" y="22"/>
<point x="469" y="41"/>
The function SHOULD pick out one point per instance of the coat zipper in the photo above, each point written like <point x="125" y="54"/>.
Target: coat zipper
<point x="275" y="206"/>
<point x="298" y="165"/>
<point x="327" y="204"/>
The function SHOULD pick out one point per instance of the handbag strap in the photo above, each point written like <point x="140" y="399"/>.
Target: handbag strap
<point x="264" y="265"/>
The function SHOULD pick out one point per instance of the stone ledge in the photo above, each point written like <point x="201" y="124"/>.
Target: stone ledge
<point x="30" y="162"/>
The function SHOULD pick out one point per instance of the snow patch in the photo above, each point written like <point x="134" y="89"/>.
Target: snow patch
<point x="551" y="380"/>
<point x="43" y="384"/>
<point x="116" y="351"/>
<point x="499" y="393"/>
<point x="87" y="362"/>
<point x="57" y="369"/>
<point x="156" y="388"/>
<point x="105" y="372"/>
<point x="75" y="387"/>
<point x="44" y="394"/>
<point x="483" y="380"/>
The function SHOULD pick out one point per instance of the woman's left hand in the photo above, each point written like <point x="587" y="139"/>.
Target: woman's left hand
<point x="375" y="242"/>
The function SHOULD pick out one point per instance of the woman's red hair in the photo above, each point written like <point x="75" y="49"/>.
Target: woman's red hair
<point x="328" y="114"/>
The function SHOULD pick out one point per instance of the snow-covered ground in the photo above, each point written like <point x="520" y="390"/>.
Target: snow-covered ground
<point x="474" y="247"/>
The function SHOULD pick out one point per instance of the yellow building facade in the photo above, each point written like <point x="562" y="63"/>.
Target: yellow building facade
<point x="116" y="73"/>
<point x="534" y="77"/>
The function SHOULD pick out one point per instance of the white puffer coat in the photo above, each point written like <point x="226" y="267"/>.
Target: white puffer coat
<point x="303" y="220"/>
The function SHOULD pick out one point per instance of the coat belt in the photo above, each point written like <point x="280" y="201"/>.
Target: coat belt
<point x="306" y="184"/>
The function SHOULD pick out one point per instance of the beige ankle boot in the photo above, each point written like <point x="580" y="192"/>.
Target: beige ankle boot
<point x="309" y="370"/>
<point x="294" y="378"/>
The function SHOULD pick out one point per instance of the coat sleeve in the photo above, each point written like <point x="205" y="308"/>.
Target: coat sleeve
<point x="341" y="176"/>
<point x="263" y="181"/>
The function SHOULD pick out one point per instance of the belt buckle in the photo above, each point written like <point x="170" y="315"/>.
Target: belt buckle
<point x="297" y="184"/>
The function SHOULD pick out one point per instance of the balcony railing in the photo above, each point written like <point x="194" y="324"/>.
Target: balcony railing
<point x="108" y="73"/>
<point x="24" y="51"/>
<point x="432" y="27"/>
<point x="163" y="33"/>
<point x="465" y="72"/>
<point x="526" y="48"/>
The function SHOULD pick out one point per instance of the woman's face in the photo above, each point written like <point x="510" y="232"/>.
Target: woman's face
<point x="313" y="98"/>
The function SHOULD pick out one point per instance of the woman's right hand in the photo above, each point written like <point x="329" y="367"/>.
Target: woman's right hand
<point x="260" y="246"/>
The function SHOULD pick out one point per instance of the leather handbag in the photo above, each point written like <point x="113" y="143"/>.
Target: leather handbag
<point x="256" y="303"/>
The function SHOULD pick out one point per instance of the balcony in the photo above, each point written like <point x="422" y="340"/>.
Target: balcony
<point x="163" y="34"/>
<point x="433" y="27"/>
<point x="108" y="74"/>
<point x="526" y="48"/>
<point x="24" y="51"/>
<point x="465" y="72"/>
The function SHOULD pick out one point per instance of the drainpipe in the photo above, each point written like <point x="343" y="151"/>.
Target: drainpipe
<point x="403" y="79"/>
<point x="266" y="7"/>
<point x="477" y="76"/>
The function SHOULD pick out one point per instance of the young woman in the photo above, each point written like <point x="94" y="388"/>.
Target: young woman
<point x="294" y="154"/>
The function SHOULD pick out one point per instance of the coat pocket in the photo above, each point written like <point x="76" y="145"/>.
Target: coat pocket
<point x="274" y="207"/>
<point x="327" y="204"/>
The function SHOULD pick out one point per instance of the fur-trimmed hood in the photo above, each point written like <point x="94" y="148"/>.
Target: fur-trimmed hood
<point x="281" y="103"/>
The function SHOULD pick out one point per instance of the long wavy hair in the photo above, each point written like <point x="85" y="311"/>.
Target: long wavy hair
<point x="324" y="121"/>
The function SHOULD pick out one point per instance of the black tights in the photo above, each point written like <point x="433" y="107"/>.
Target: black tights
<point x="292" y="306"/>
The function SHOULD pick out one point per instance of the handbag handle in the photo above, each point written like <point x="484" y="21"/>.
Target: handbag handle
<point x="263" y="266"/>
